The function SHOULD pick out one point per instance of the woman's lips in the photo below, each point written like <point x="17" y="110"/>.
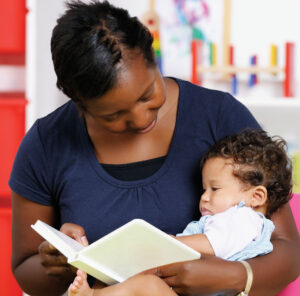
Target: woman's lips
<point x="148" y="128"/>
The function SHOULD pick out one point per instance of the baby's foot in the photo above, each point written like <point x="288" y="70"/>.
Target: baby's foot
<point x="80" y="286"/>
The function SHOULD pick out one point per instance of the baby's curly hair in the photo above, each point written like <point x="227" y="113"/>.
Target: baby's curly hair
<point x="258" y="159"/>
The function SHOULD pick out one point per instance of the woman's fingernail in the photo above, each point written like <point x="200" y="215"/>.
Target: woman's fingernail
<point x="84" y="241"/>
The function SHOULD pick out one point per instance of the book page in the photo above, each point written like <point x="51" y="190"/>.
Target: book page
<point x="128" y="250"/>
<point x="132" y="248"/>
<point x="65" y="244"/>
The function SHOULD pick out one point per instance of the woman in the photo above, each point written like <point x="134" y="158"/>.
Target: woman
<point x="127" y="145"/>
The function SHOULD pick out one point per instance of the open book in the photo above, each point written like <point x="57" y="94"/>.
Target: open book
<point x="126" y="251"/>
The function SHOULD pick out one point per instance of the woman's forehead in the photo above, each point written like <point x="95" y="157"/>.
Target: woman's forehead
<point x="132" y="83"/>
<point x="134" y="71"/>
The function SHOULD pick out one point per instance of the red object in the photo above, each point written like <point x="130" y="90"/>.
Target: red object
<point x="150" y="22"/>
<point x="255" y="63"/>
<point x="293" y="288"/>
<point x="12" y="26"/>
<point x="196" y="51"/>
<point x="231" y="63"/>
<point x="231" y="55"/>
<point x="12" y="130"/>
<point x="8" y="286"/>
<point x="289" y="82"/>
<point x="12" y="59"/>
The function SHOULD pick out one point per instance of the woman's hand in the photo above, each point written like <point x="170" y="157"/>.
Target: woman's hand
<point x="205" y="276"/>
<point x="76" y="232"/>
<point x="54" y="262"/>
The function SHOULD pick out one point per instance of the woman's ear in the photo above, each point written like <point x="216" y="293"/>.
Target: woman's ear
<point x="259" y="196"/>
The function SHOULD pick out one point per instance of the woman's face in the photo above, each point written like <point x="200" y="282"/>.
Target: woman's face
<point x="132" y="105"/>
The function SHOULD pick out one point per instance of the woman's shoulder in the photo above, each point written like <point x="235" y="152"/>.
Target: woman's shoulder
<point x="62" y="117"/>
<point x="54" y="128"/>
<point x="189" y="88"/>
<point x="212" y="112"/>
<point x="199" y="98"/>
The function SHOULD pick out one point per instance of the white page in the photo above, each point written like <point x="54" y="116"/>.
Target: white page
<point x="134" y="247"/>
<point x="65" y="244"/>
<point x="130" y="249"/>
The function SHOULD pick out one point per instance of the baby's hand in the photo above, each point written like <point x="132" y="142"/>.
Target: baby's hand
<point x="76" y="232"/>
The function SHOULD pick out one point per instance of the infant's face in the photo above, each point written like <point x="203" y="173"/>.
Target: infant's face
<point x="222" y="189"/>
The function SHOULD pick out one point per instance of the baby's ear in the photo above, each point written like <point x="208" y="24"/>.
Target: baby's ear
<point x="259" y="196"/>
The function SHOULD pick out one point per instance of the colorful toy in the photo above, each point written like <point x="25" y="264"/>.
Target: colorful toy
<point x="230" y="71"/>
<point x="289" y="82"/>
<point x="253" y="77"/>
<point x="196" y="54"/>
<point x="234" y="81"/>
<point x="212" y="54"/>
<point x="190" y="13"/>
<point x="273" y="55"/>
<point x="151" y="21"/>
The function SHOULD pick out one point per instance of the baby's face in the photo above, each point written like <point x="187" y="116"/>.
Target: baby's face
<point x="222" y="189"/>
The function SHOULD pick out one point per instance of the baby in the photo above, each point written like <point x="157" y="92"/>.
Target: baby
<point x="245" y="177"/>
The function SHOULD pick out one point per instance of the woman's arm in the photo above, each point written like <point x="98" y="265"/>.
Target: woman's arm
<point x="276" y="270"/>
<point x="272" y="272"/>
<point x="34" y="278"/>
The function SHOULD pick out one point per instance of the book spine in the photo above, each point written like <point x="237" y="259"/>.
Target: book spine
<point x="96" y="270"/>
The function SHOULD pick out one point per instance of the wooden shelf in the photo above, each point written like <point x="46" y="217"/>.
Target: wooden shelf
<point x="234" y="69"/>
<point x="280" y="102"/>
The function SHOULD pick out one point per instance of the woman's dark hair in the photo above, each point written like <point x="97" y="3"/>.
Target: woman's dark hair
<point x="87" y="44"/>
<point x="258" y="159"/>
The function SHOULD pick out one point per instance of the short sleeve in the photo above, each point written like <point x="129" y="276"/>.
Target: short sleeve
<point x="193" y="227"/>
<point x="30" y="176"/>
<point x="231" y="231"/>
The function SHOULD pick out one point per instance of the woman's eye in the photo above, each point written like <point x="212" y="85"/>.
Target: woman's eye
<point x="145" y="99"/>
<point x="112" y="117"/>
<point x="214" y="188"/>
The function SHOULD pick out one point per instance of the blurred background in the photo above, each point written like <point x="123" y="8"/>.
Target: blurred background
<point x="250" y="48"/>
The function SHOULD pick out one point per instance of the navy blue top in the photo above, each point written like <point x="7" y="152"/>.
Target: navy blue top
<point x="56" y="166"/>
<point x="135" y="170"/>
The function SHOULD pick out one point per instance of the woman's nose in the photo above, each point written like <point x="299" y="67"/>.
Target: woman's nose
<point x="138" y="118"/>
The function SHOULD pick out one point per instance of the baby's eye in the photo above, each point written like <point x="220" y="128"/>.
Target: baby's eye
<point x="214" y="188"/>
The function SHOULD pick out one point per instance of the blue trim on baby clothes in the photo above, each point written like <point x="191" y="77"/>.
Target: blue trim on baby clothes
<point x="261" y="246"/>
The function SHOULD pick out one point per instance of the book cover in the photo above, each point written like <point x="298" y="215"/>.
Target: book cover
<point x="128" y="250"/>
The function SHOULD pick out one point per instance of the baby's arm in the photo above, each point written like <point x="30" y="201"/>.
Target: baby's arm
<point x="198" y="242"/>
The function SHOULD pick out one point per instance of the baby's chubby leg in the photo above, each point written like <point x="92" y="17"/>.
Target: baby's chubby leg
<point x="139" y="285"/>
<point x="148" y="285"/>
